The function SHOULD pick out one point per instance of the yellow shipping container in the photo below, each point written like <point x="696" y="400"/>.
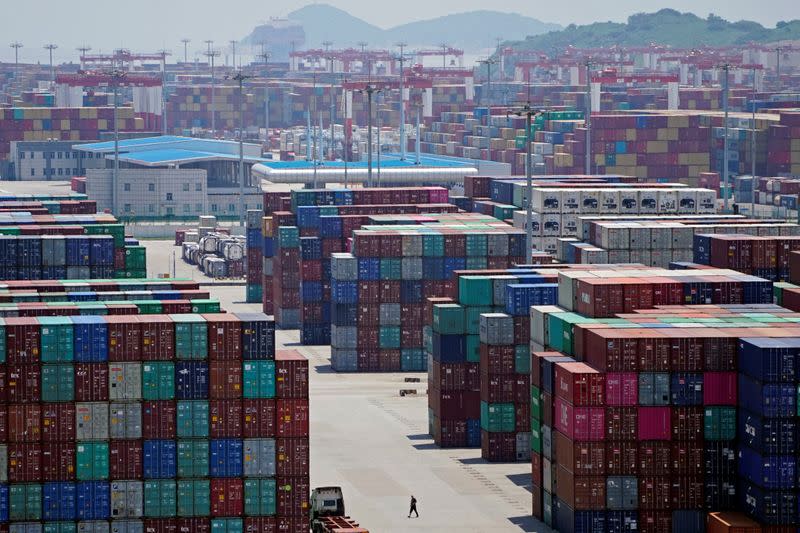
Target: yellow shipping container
<point x="65" y="124"/>
<point x="795" y="169"/>
<point x="627" y="160"/>
<point x="794" y="146"/>
<point x="37" y="125"/>
<point x="102" y="124"/>
<point x="657" y="147"/>
<point x="678" y="121"/>
<point x="600" y="160"/>
<point x="75" y="135"/>
<point x="630" y="134"/>
<point x="138" y="123"/>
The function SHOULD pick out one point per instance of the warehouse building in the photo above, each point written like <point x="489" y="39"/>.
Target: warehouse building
<point x="171" y="178"/>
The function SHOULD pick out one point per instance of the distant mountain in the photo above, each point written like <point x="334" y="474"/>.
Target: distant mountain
<point x="472" y="31"/>
<point x="666" y="27"/>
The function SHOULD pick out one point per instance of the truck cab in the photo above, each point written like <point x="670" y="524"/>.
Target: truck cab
<point x="326" y="501"/>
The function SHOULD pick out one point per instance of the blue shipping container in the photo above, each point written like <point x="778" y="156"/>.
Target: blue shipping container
<point x="191" y="380"/>
<point x="160" y="459"/>
<point x="226" y="458"/>
<point x="93" y="500"/>
<point x="769" y="360"/>
<point x="59" y="501"/>
<point x="90" y="334"/>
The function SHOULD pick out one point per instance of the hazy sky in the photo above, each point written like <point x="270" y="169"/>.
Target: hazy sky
<point x="148" y="25"/>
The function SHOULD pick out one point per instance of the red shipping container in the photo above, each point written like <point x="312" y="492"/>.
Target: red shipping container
<point x="687" y="492"/>
<point x="3" y="423"/>
<point x="58" y="422"/>
<point x="158" y="419"/>
<point x="622" y="423"/>
<point x="687" y="458"/>
<point x="547" y="409"/>
<point x="225" y="419"/>
<point x="291" y="374"/>
<point x="125" y="459"/>
<point x="654" y="423"/>
<point x="580" y="458"/>
<point x="161" y="525"/>
<point x="731" y="522"/>
<point x="225" y="380"/>
<point x="124" y="338"/>
<point x="497" y="359"/>
<point x="22" y="340"/>
<point x="536" y="469"/>
<point x="260" y="524"/>
<point x="455" y="405"/>
<point x="23" y="383"/>
<point x="622" y="457"/>
<point x="449" y="433"/>
<point x="654" y="457"/>
<point x="292" y="495"/>
<point x="194" y="525"/>
<point x="622" y="389"/>
<point x="687" y="423"/>
<point x="58" y="461"/>
<point x="259" y="418"/>
<point x="522" y="389"/>
<point x="227" y="497"/>
<point x="536" y="366"/>
<point x="655" y="492"/>
<point x="24" y="462"/>
<point x="582" y="493"/>
<point x="719" y="388"/>
<point x="292" y="457"/>
<point x="292" y="418"/>
<point x="91" y="382"/>
<point x="579" y="384"/>
<point x="499" y="447"/>
<point x="158" y="338"/>
<point x="497" y="388"/>
<point x="523" y="417"/>
<point x="655" y="521"/>
<point x="579" y="423"/>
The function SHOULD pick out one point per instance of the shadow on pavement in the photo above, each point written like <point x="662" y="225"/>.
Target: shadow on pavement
<point x="521" y="480"/>
<point x="474" y="461"/>
<point x="527" y="523"/>
<point x="324" y="369"/>
<point x="419" y="436"/>
<point x="426" y="446"/>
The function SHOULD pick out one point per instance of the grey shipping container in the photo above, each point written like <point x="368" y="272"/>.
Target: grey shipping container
<point x="497" y="244"/>
<point x="267" y="266"/>
<point x="547" y="475"/>
<point x="653" y="388"/>
<point x="622" y="493"/>
<point x="524" y="446"/>
<point x="499" y="289"/>
<point x="54" y="251"/>
<point x="25" y="527"/>
<point x="93" y="527"/>
<point x="259" y="457"/>
<point x="3" y="462"/>
<point x="497" y="329"/>
<point x="125" y="420"/>
<point x="345" y="337"/>
<point x="390" y="314"/>
<point x="547" y="442"/>
<point x="411" y="268"/>
<point x="344" y="267"/>
<point x="91" y="421"/>
<point x="126" y="499"/>
<point x="344" y="360"/>
<point x="78" y="272"/>
<point x="412" y="245"/>
<point x="125" y="381"/>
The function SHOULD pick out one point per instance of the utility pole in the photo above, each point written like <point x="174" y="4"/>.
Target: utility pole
<point x="50" y="47"/>
<point x="444" y="47"/>
<point x="488" y="62"/>
<point x="418" y="140"/>
<point x="369" y="90"/>
<point x="327" y="45"/>
<point x="240" y="77"/>
<point x="330" y="58"/>
<point x="164" y="54"/>
<point x="725" y="88"/>
<point x="363" y="45"/>
<point x="233" y="52"/>
<point x="380" y="124"/>
<point x="83" y="49"/>
<point x="311" y="114"/>
<point x="16" y="45"/>
<point x="116" y="77"/>
<point x="589" y="65"/>
<point x="211" y="54"/>
<point x="778" y="51"/>
<point x="346" y="145"/>
<point x="186" y="42"/>
<point x="529" y="113"/>
<point x="753" y="148"/>
<point x="266" y="55"/>
<point x="402" y="58"/>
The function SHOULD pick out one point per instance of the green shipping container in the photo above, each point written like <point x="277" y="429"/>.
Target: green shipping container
<point x="475" y="290"/>
<point x="158" y="380"/>
<point x="254" y="294"/>
<point x="432" y="245"/>
<point x="2" y="341"/>
<point x="149" y="307"/>
<point x="719" y="423"/>
<point x="448" y="319"/>
<point x="91" y="461"/>
<point x="159" y="499"/>
<point x="194" y="498"/>
<point x="561" y="328"/>
<point x="473" y="348"/>
<point x="135" y="258"/>
<point x="227" y="525"/>
<point x="389" y="337"/>
<point x="536" y="436"/>
<point x="25" y="501"/>
<point x="522" y="359"/>
<point x="205" y="306"/>
<point x="259" y="497"/>
<point x="536" y="403"/>
<point x="258" y="379"/>
<point x="115" y="230"/>
<point x="476" y="245"/>
<point x="192" y="419"/>
<point x="391" y="268"/>
<point x="472" y="317"/>
<point x="498" y="417"/>
<point x="288" y="237"/>
<point x="59" y="527"/>
<point x="192" y="458"/>
<point x="191" y="336"/>
<point x="56" y="339"/>
<point x="58" y="383"/>
<point x="477" y="263"/>
<point x="427" y="338"/>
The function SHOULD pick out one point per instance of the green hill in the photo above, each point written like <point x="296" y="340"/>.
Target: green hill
<point x="666" y="27"/>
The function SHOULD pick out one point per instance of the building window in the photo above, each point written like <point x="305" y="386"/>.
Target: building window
<point x="151" y="208"/>
<point x="187" y="208"/>
<point x="170" y="211"/>
<point x="127" y="208"/>
<point x="185" y="187"/>
<point x="33" y="172"/>
<point x="213" y="208"/>
<point x="59" y="155"/>
<point x="22" y="155"/>
<point x="232" y="208"/>
<point x="60" y="171"/>
<point x="198" y="208"/>
<point x="151" y="187"/>
<point x="33" y="155"/>
<point x="91" y="155"/>
<point x="169" y="196"/>
<point x="198" y="187"/>
<point x="127" y="187"/>
<point x="74" y="171"/>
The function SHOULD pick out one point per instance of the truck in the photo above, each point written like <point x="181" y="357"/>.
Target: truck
<point x="328" y="512"/>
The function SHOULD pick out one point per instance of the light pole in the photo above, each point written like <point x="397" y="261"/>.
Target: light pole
<point x="489" y="62"/>
<point x="83" y="49"/>
<point x="116" y="77"/>
<point x="346" y="144"/>
<point x="50" y="48"/>
<point x="330" y="59"/>
<point x="778" y="51"/>
<point x="753" y="149"/>
<point x="211" y="54"/>
<point x="240" y="77"/>
<point x="588" y="116"/>
<point x="266" y="55"/>
<point x="529" y="113"/>
<point x="725" y="87"/>
<point x="402" y="58"/>
<point x="233" y="52"/>
<point x="444" y="47"/>
<point x="369" y="90"/>
<point x="16" y="45"/>
<point x="164" y="54"/>
<point x="186" y="42"/>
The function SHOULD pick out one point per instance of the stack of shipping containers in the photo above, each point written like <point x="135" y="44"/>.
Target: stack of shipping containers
<point x="255" y="257"/>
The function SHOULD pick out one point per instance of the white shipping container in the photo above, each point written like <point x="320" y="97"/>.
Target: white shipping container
<point x="614" y="237"/>
<point x="520" y="218"/>
<point x="594" y="256"/>
<point x="619" y="256"/>
<point x="539" y="322"/>
<point x="629" y="202"/>
<point x="640" y="237"/>
<point x="550" y="245"/>
<point x="667" y="201"/>
<point x="547" y="200"/>
<point x="570" y="201"/>
<point x="706" y="201"/>
<point x="609" y="201"/>
<point x="648" y="202"/>
<point x="660" y="258"/>
<point x="551" y="226"/>
<point x="687" y="201"/>
<point x="569" y="225"/>
<point x="640" y="256"/>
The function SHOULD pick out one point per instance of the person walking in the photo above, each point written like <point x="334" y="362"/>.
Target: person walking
<point x="413" y="508"/>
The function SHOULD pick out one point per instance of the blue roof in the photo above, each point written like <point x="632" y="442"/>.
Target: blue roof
<point x="131" y="143"/>
<point x="387" y="161"/>
<point x="175" y="155"/>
